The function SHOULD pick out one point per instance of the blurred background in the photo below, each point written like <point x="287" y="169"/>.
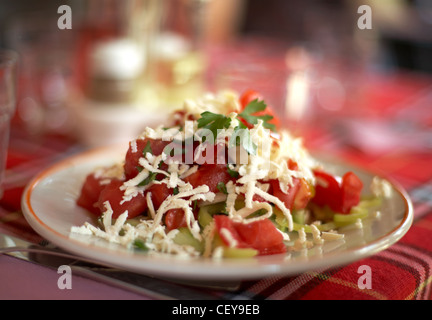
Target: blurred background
<point x="123" y="65"/>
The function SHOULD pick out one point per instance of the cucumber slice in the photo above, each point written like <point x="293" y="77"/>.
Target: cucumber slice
<point x="205" y="213"/>
<point x="360" y="211"/>
<point x="280" y="219"/>
<point x="341" y="220"/>
<point x="185" y="238"/>
<point x="239" y="252"/>
<point x="233" y="252"/>
<point x="299" y="216"/>
<point x="204" y="218"/>
<point x="370" y="201"/>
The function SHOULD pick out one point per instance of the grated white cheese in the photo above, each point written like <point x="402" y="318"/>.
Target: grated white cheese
<point x="331" y="236"/>
<point x="150" y="205"/>
<point x="256" y="205"/>
<point x="381" y="187"/>
<point x="189" y="171"/>
<point x="359" y="224"/>
<point x="111" y="231"/>
<point x="301" y="240"/>
<point x="316" y="234"/>
<point x="208" y="235"/>
<point x="279" y="204"/>
<point x="228" y="237"/>
<point x="134" y="147"/>
<point x="222" y="103"/>
<point x="177" y="201"/>
<point x="218" y="253"/>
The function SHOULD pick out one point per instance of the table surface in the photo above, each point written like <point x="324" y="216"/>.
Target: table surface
<point x="390" y="135"/>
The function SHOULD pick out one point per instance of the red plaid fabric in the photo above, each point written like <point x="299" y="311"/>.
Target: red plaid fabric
<point x="403" y="271"/>
<point x="27" y="156"/>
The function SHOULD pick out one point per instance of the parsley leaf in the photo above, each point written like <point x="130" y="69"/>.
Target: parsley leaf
<point x="254" y="107"/>
<point x="222" y="187"/>
<point x="231" y="172"/>
<point x="147" y="148"/>
<point x="242" y="136"/>
<point x="213" y="122"/>
<point x="151" y="177"/>
<point x="140" y="245"/>
<point x="176" y="191"/>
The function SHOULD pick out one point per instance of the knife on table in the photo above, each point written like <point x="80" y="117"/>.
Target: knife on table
<point x="49" y="256"/>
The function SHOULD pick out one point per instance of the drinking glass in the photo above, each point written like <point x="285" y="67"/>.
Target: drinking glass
<point x="8" y="72"/>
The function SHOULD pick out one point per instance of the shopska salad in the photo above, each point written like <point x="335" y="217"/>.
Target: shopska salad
<point x="222" y="180"/>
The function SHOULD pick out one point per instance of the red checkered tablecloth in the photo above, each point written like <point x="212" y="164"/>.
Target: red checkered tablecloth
<point x="399" y="104"/>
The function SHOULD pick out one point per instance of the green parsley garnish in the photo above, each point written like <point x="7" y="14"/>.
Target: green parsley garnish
<point x="140" y="245"/>
<point x="242" y="135"/>
<point x="151" y="177"/>
<point x="222" y="187"/>
<point x="147" y="149"/>
<point x="231" y="172"/>
<point x="257" y="106"/>
<point x="213" y="122"/>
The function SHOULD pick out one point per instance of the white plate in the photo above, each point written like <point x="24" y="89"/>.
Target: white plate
<point x="49" y="206"/>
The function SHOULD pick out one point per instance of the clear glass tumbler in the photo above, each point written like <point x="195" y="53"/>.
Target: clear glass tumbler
<point x="8" y="83"/>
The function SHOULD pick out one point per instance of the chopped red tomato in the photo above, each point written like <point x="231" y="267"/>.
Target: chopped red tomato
<point x="249" y="96"/>
<point x="258" y="198"/>
<point x="297" y="196"/>
<point x="112" y="193"/>
<point x="351" y="190"/>
<point x="210" y="175"/>
<point x="260" y="235"/>
<point x="340" y="197"/>
<point x="131" y="166"/>
<point x="174" y="219"/>
<point x="159" y="192"/>
<point x="327" y="190"/>
<point x="286" y="198"/>
<point x="89" y="196"/>
<point x="303" y="195"/>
